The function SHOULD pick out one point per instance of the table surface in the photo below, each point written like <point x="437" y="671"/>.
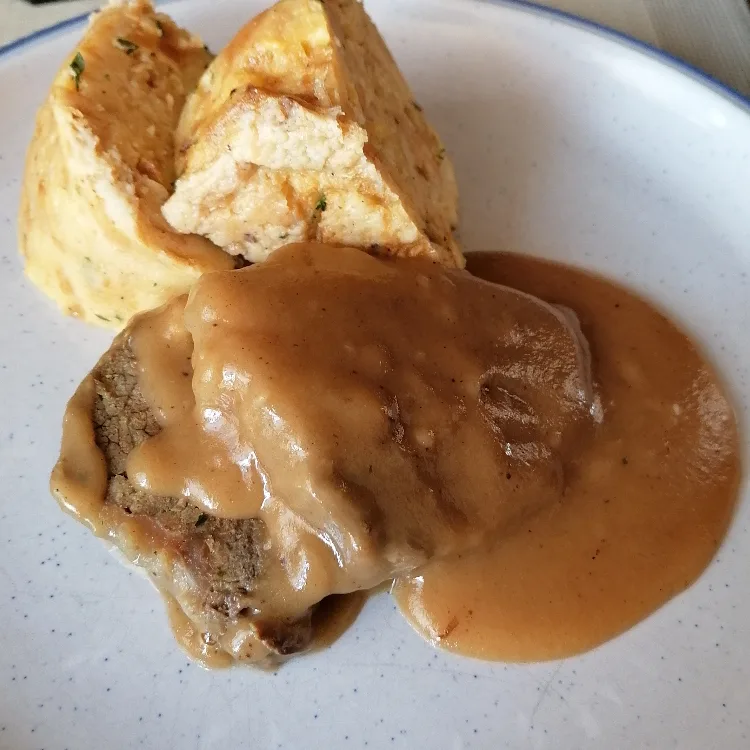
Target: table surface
<point x="713" y="35"/>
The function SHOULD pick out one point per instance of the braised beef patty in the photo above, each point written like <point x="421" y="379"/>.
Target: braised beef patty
<point x="225" y="556"/>
<point x="358" y="417"/>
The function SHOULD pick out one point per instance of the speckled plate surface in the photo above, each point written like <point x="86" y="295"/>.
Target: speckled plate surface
<point x="569" y="143"/>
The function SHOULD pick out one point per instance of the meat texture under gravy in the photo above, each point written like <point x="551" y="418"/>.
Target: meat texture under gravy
<point x="402" y="410"/>
<point x="348" y="419"/>
<point x="207" y="565"/>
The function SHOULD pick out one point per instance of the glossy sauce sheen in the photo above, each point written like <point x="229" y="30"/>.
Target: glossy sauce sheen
<point x="373" y="413"/>
<point x="646" y="502"/>
<point x="166" y="464"/>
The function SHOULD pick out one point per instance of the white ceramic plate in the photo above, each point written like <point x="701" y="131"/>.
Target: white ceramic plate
<point x="569" y="143"/>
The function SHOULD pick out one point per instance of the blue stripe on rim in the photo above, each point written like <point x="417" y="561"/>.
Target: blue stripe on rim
<point x="42" y="33"/>
<point x="644" y="48"/>
<point x="665" y="58"/>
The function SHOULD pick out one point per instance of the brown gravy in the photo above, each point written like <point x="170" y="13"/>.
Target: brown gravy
<point x="335" y="615"/>
<point x="330" y="620"/>
<point x="646" y="504"/>
<point x="191" y="639"/>
<point x="368" y="411"/>
<point x="376" y="416"/>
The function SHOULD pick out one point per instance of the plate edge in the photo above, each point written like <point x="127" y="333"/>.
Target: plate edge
<point x="677" y="64"/>
<point x="35" y="36"/>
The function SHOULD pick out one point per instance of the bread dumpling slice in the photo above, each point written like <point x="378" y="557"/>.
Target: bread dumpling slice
<point x="303" y="128"/>
<point x="101" y="164"/>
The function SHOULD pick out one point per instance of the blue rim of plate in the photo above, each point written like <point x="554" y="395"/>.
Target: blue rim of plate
<point x="648" y="50"/>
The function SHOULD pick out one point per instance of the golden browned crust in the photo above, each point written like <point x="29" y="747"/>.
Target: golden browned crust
<point x="209" y="565"/>
<point x="100" y="165"/>
<point x="304" y="128"/>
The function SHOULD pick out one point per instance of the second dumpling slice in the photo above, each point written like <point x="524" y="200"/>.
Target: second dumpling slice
<point x="304" y="128"/>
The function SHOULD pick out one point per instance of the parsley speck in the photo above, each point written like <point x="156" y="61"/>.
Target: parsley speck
<point x="126" y="45"/>
<point x="77" y="66"/>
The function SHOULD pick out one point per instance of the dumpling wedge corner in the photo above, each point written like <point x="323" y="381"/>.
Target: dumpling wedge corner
<point x="303" y="128"/>
<point x="101" y="164"/>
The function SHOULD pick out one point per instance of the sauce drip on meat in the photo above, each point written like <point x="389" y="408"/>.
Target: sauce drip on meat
<point x="393" y="418"/>
<point x="646" y="502"/>
<point x="374" y="413"/>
